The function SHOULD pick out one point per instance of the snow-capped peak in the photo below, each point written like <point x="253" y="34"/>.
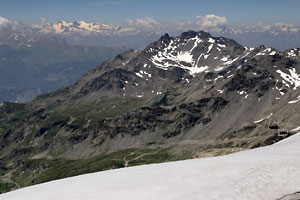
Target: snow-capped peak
<point x="194" y="51"/>
<point x="84" y="28"/>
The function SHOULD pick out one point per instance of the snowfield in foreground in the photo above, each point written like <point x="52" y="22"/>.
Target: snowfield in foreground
<point x="264" y="173"/>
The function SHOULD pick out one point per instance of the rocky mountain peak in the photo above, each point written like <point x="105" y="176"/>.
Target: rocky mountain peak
<point x="191" y="34"/>
<point x="260" y="47"/>
<point x="165" y="38"/>
<point x="184" y="59"/>
<point x="194" y="51"/>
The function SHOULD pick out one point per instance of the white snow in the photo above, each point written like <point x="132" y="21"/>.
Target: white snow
<point x="218" y="69"/>
<point x="206" y="56"/>
<point x="296" y="129"/>
<point x="264" y="173"/>
<point x="225" y="58"/>
<point x="261" y="54"/>
<point x="211" y="40"/>
<point x="290" y="79"/>
<point x="295" y="100"/>
<point x="291" y="53"/>
<point x="146" y="73"/>
<point x="185" y="56"/>
<point x="169" y="57"/>
<point x="176" y="53"/>
<point x="221" y="45"/>
<point x="258" y="121"/>
<point x="210" y="47"/>
<point x="267" y="50"/>
<point x="229" y="62"/>
<point x="230" y="76"/>
<point x="197" y="41"/>
<point x="195" y="70"/>
<point x="264" y="52"/>
<point x="138" y="74"/>
<point x="219" y="77"/>
<point x="241" y="92"/>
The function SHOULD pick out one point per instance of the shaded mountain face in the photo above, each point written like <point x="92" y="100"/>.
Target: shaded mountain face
<point x="181" y="97"/>
<point x="30" y="67"/>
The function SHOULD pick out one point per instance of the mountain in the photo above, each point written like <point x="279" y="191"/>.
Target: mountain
<point x="252" y="174"/>
<point x="84" y="33"/>
<point x="84" y="28"/>
<point x="138" y="33"/>
<point x="181" y="97"/>
<point x="29" y="67"/>
<point x="279" y="35"/>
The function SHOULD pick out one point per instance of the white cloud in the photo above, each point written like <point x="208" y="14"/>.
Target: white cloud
<point x="4" y="22"/>
<point x="43" y="19"/>
<point x="272" y="28"/>
<point x="211" y="21"/>
<point x="262" y="27"/>
<point x="145" y="22"/>
<point x="287" y="27"/>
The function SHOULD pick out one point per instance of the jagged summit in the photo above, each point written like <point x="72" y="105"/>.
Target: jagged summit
<point x="182" y="59"/>
<point x="195" y="52"/>
<point x="191" y="34"/>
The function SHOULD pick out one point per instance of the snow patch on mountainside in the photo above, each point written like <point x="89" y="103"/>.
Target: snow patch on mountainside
<point x="295" y="100"/>
<point x="265" y="173"/>
<point x="292" y="53"/>
<point x="188" y="55"/>
<point x="290" y="79"/>
<point x="258" y="121"/>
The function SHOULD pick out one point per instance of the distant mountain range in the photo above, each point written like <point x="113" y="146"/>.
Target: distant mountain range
<point x="32" y="66"/>
<point x="181" y="97"/>
<point x="137" y="35"/>
<point x="280" y="36"/>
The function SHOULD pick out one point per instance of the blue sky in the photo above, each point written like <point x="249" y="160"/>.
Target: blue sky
<point x="236" y="11"/>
